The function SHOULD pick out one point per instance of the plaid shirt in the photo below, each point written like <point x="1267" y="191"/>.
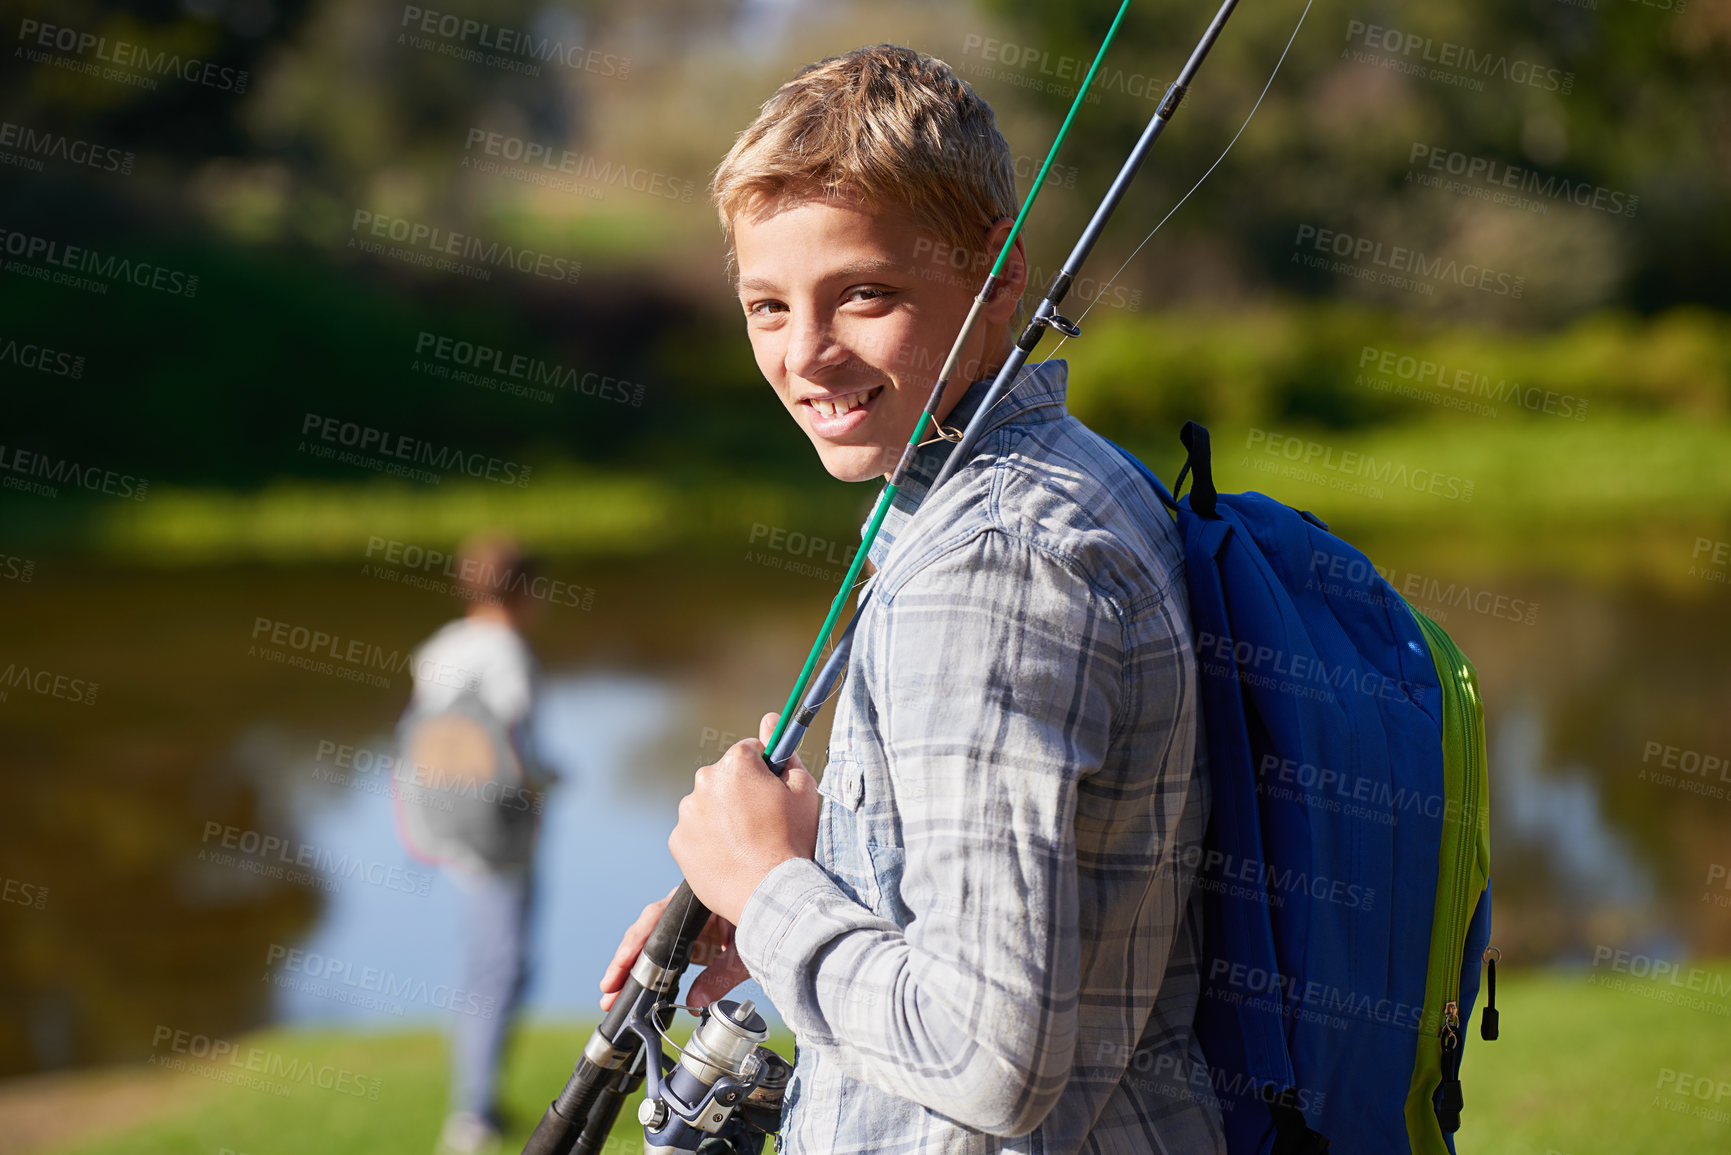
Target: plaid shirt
<point x="995" y="949"/>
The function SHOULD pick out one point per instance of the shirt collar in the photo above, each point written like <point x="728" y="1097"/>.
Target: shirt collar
<point x="1038" y="396"/>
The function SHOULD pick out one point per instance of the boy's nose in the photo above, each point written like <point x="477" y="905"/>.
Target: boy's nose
<point x="813" y="348"/>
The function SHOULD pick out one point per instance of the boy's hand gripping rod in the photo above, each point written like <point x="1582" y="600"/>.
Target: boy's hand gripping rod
<point x="726" y="1084"/>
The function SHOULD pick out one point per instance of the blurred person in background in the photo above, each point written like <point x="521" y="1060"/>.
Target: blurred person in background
<point x="469" y="797"/>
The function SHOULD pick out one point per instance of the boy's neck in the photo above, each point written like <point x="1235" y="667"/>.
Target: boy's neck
<point x="492" y="612"/>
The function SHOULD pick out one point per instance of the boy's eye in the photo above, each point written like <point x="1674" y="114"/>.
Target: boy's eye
<point x="866" y="293"/>
<point x="764" y="308"/>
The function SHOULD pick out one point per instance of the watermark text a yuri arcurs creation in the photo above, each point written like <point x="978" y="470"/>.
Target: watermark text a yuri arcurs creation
<point x="1350" y="470"/>
<point x="1041" y="70"/>
<point x="508" y="49"/>
<point x="1395" y="266"/>
<point x="256" y="1068"/>
<point x="1710" y="561"/>
<point x="83" y="52"/>
<point x="1703" y="773"/>
<point x="303" y="863"/>
<point x="56" y="261"/>
<point x="42" y="474"/>
<point x="442" y="570"/>
<point x="584" y="174"/>
<point x="1517" y="186"/>
<point x="328" y="652"/>
<point x="446" y="250"/>
<point x="1459" y="387"/>
<point x="400" y="455"/>
<point x="514" y="373"/>
<point x="1447" y="62"/>
<point x="23" y="678"/>
<point x="33" y="149"/>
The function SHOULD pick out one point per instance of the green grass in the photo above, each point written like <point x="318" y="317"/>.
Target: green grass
<point x="408" y="1071"/>
<point x="1580" y="1068"/>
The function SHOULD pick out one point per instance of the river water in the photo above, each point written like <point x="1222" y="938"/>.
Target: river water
<point x="131" y="815"/>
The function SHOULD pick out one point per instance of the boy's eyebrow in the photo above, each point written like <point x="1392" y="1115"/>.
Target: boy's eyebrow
<point x="853" y="272"/>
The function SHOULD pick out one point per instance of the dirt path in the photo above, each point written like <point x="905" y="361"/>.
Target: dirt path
<point x="46" y="1112"/>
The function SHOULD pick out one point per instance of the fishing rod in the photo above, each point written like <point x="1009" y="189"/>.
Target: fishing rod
<point x="726" y="1084"/>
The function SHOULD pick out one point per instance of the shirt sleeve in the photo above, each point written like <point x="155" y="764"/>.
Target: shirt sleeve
<point x="991" y="708"/>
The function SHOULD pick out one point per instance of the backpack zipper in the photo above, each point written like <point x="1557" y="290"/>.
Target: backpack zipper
<point x="1488" y="1026"/>
<point x="1459" y="690"/>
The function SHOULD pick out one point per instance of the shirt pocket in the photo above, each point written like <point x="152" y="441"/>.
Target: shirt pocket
<point x="841" y="844"/>
<point x="887" y="863"/>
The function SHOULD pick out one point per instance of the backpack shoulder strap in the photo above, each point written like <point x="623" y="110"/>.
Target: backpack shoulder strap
<point x="1199" y="463"/>
<point x="1198" y="466"/>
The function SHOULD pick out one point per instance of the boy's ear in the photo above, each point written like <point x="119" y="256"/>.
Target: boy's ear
<point x="1007" y="293"/>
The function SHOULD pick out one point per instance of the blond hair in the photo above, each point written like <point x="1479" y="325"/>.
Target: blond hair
<point x="884" y="125"/>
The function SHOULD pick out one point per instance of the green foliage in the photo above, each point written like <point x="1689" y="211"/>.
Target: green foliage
<point x="1322" y="367"/>
<point x="1619" y="96"/>
<point x="1612" y="423"/>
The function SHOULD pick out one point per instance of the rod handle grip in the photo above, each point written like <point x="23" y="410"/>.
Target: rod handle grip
<point x="669" y="944"/>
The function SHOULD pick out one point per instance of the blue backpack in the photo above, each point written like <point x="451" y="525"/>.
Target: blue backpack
<point x="1345" y="873"/>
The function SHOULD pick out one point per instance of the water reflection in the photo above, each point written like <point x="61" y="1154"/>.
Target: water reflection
<point x="384" y="956"/>
<point x="1553" y="830"/>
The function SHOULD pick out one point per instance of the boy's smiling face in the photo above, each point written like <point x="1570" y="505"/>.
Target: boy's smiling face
<point x="849" y="332"/>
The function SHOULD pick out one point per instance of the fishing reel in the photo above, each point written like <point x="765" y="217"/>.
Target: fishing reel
<point x="723" y="1095"/>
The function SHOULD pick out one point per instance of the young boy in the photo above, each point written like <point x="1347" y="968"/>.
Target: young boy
<point x="981" y="934"/>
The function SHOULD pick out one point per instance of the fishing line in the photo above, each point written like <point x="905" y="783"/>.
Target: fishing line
<point x="1113" y="279"/>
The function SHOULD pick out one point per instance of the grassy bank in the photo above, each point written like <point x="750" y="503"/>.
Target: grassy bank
<point x="1582" y="1066"/>
<point x="281" y="1114"/>
<point x="1603" y="447"/>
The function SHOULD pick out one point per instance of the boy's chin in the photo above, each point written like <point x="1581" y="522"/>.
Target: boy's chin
<point x="854" y="462"/>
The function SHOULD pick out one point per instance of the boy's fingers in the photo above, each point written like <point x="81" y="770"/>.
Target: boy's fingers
<point x="767" y="727"/>
<point x="716" y="932"/>
<point x="727" y="972"/>
<point x="635" y="936"/>
<point x="630" y="946"/>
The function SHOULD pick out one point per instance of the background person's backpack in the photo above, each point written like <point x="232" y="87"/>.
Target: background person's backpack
<point x="1345" y="873"/>
<point x="462" y="796"/>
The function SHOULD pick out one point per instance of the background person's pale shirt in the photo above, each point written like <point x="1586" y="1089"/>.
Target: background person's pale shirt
<point x="492" y="660"/>
<point x="474" y="653"/>
<point x="996" y="948"/>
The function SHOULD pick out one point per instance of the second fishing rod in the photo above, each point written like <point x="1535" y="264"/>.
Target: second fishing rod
<point x="623" y="1052"/>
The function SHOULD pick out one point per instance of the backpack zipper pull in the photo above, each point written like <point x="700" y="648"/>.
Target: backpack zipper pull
<point x="1488" y="1017"/>
<point x="1448" y="1112"/>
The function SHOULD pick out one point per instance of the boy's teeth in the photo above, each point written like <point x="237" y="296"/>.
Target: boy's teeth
<point x="841" y="404"/>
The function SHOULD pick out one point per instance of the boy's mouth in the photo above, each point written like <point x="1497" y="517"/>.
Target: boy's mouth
<point x="838" y="414"/>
